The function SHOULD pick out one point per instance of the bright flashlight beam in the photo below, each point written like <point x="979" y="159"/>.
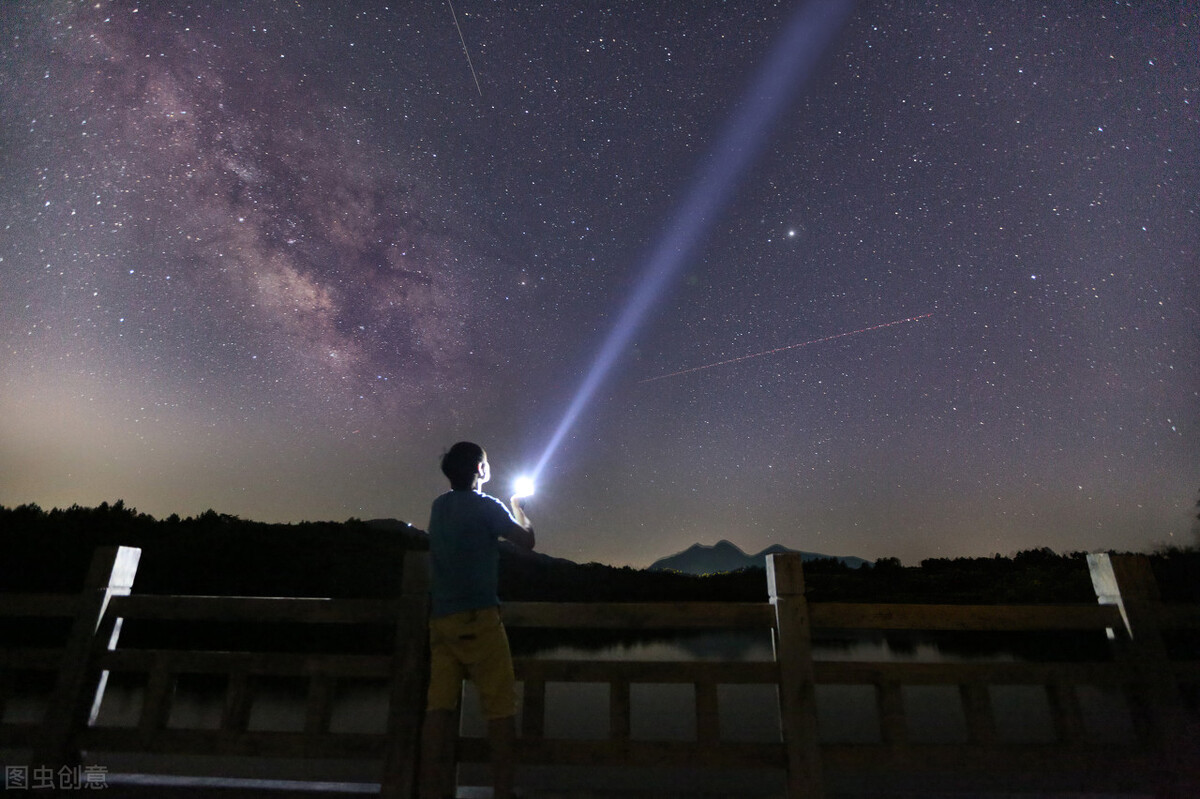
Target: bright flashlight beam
<point x="788" y="347"/>
<point x="795" y="54"/>
<point x="524" y="487"/>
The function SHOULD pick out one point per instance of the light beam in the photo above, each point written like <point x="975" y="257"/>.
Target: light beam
<point x="795" y="54"/>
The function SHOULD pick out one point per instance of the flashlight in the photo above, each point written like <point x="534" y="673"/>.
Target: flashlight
<point x="524" y="487"/>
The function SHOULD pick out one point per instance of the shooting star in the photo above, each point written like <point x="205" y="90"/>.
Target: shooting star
<point x="788" y="347"/>
<point x="464" y="46"/>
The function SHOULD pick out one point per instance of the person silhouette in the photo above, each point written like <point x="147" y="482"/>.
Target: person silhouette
<point x="466" y="634"/>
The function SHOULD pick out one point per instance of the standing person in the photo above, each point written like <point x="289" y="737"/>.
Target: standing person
<point x="466" y="636"/>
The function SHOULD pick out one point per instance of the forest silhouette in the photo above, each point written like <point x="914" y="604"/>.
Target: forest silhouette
<point x="219" y="554"/>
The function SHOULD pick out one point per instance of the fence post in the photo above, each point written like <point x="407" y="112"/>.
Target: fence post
<point x="1127" y="581"/>
<point x="111" y="574"/>
<point x="797" y="689"/>
<point x="408" y="681"/>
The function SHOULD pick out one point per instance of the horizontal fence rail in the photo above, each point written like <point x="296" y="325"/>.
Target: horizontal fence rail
<point x="1160" y="752"/>
<point x="990" y="618"/>
<point x="639" y="615"/>
<point x="258" y="609"/>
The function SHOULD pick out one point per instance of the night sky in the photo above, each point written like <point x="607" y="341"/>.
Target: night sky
<point x="273" y="258"/>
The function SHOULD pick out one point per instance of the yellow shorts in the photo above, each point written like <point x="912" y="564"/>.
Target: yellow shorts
<point x="471" y="644"/>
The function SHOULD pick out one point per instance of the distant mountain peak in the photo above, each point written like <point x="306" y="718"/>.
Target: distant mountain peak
<point x="722" y="544"/>
<point x="725" y="556"/>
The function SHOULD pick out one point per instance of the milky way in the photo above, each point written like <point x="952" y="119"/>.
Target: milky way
<point x="254" y="226"/>
<point x="273" y="259"/>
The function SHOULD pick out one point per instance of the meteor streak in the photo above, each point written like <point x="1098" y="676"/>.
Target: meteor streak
<point x="788" y="347"/>
<point x="464" y="46"/>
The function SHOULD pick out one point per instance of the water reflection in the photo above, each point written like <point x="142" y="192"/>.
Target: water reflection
<point x="733" y="645"/>
<point x="846" y="713"/>
<point x="828" y="645"/>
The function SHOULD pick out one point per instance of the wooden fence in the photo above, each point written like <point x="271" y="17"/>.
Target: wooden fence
<point x="1159" y="755"/>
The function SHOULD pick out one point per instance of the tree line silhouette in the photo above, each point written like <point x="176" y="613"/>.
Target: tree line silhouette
<point x="219" y="554"/>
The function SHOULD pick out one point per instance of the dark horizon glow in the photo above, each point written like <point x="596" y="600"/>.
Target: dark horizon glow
<point x="793" y="57"/>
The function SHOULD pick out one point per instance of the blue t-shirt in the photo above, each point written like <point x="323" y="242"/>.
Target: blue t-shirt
<point x="464" y="531"/>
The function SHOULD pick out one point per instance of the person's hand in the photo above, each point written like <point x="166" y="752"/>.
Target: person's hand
<point x="519" y="511"/>
<point x="522" y="534"/>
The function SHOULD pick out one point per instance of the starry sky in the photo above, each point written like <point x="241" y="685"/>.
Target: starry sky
<point x="272" y="258"/>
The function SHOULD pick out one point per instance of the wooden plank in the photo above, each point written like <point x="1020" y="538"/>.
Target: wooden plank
<point x="1185" y="670"/>
<point x="708" y="714"/>
<point x="318" y="710"/>
<point x="410" y="675"/>
<point x="17" y="736"/>
<point x="1013" y="673"/>
<point x="533" y="708"/>
<point x="108" y="633"/>
<point x="893" y="726"/>
<point x="1127" y="581"/>
<point x="854" y="616"/>
<point x="685" y="754"/>
<point x="639" y="615"/>
<point x="1140" y="716"/>
<point x="1107" y="766"/>
<point x="797" y="685"/>
<point x="257" y="743"/>
<point x="977" y="707"/>
<point x="111" y="574"/>
<point x="31" y="659"/>
<point x="1065" y="711"/>
<point x="415" y="575"/>
<point x="6" y="689"/>
<point x="1177" y="616"/>
<point x="260" y="663"/>
<point x="39" y="605"/>
<point x="657" y="671"/>
<point x="156" y="705"/>
<point x="235" y="715"/>
<point x="258" y="609"/>
<point x="618" y="710"/>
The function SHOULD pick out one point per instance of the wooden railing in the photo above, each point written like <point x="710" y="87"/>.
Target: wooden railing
<point x="1160" y="753"/>
<point x="92" y="653"/>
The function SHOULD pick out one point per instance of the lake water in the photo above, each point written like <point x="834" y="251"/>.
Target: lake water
<point x="846" y="713"/>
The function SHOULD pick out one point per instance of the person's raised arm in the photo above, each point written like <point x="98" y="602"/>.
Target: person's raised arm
<point x="521" y="535"/>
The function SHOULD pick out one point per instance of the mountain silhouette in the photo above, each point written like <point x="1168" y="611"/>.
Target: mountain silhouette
<point x="725" y="556"/>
